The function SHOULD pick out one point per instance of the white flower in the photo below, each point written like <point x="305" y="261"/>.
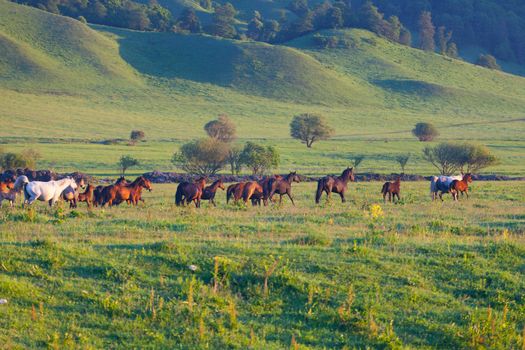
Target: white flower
<point x="3" y="301"/>
<point x="192" y="268"/>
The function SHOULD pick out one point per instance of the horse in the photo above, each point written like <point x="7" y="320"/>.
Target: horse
<point x="283" y="186"/>
<point x="87" y="196"/>
<point x="49" y="191"/>
<point x="441" y="183"/>
<point x="208" y="193"/>
<point x="97" y="192"/>
<point x="190" y="191"/>
<point x="70" y="195"/>
<point x="235" y="191"/>
<point x="253" y="190"/>
<point x="8" y="191"/>
<point x="136" y="194"/>
<point x="118" y="193"/>
<point x="335" y="184"/>
<point x="392" y="189"/>
<point x="460" y="186"/>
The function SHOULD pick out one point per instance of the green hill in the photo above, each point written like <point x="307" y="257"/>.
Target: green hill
<point x="96" y="82"/>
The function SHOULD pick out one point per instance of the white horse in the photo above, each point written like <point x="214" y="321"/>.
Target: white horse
<point x="439" y="183"/>
<point x="44" y="191"/>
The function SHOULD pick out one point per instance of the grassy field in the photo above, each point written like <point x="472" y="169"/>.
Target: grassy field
<point x="413" y="275"/>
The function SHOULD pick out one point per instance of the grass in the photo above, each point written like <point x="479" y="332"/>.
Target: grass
<point x="417" y="275"/>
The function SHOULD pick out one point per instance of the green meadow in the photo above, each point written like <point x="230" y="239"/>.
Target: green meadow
<point x="417" y="274"/>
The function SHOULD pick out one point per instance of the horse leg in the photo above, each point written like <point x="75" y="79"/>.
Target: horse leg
<point x="291" y="198"/>
<point x="343" y="199"/>
<point x="441" y="196"/>
<point x="390" y="197"/>
<point x="466" y="193"/>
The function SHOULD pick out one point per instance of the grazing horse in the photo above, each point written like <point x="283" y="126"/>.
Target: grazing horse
<point x="253" y="190"/>
<point x="335" y="184"/>
<point x="118" y="193"/>
<point x="45" y="191"/>
<point x="283" y="186"/>
<point x="235" y="191"/>
<point x="88" y="195"/>
<point x="460" y="186"/>
<point x="441" y="183"/>
<point x="392" y="189"/>
<point x="209" y="192"/>
<point x="190" y="191"/>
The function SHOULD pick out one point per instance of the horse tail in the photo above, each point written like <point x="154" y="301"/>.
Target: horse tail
<point x="385" y="188"/>
<point x="320" y="185"/>
<point x="229" y="193"/>
<point x="178" y="195"/>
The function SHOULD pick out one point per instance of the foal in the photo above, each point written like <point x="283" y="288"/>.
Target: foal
<point x="88" y="195"/>
<point x="460" y="186"/>
<point x="392" y="189"/>
<point x="209" y="192"/>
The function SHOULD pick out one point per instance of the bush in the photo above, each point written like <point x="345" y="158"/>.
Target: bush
<point x="202" y="157"/>
<point x="137" y="135"/>
<point x="488" y="61"/>
<point x="425" y="132"/>
<point x="12" y="161"/>
<point x="222" y="129"/>
<point x="127" y="162"/>
<point x="258" y="158"/>
<point x="310" y="128"/>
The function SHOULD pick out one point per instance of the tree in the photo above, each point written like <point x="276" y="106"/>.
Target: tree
<point x="403" y="159"/>
<point x="358" y="159"/>
<point x="188" y="21"/>
<point x="310" y="128"/>
<point x="426" y="32"/>
<point x="334" y="18"/>
<point x="299" y="7"/>
<point x="127" y="162"/>
<point x="136" y="136"/>
<point x="259" y="158"/>
<point x="488" y="61"/>
<point x="234" y="159"/>
<point x="270" y="31"/>
<point x="12" y="161"/>
<point x="405" y="37"/>
<point x="451" y="157"/>
<point x="372" y="20"/>
<point x="203" y="157"/>
<point x="425" y="131"/>
<point x="255" y="27"/>
<point x="205" y="4"/>
<point x="452" y="50"/>
<point x="395" y="25"/>
<point x="31" y="157"/>
<point x="223" y="20"/>
<point x="222" y="129"/>
<point x="444" y="38"/>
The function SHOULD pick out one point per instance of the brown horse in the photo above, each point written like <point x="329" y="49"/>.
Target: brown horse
<point x="88" y="195"/>
<point x="8" y="191"/>
<point x="283" y="186"/>
<point x="235" y="191"/>
<point x="337" y="184"/>
<point x="392" y="189"/>
<point x="97" y="193"/>
<point x="253" y="190"/>
<point x="209" y="192"/>
<point x="118" y="193"/>
<point x="190" y="191"/>
<point x="459" y="186"/>
<point x="70" y="195"/>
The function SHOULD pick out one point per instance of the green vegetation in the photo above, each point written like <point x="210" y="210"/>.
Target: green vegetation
<point x="417" y="274"/>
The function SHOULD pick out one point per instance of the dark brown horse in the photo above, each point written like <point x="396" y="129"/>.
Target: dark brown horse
<point x="209" y="192"/>
<point x="190" y="191"/>
<point x="118" y="193"/>
<point x="337" y="184"/>
<point x="88" y="195"/>
<point x="283" y="186"/>
<point x="392" y="189"/>
<point x="97" y="193"/>
<point x="460" y="186"/>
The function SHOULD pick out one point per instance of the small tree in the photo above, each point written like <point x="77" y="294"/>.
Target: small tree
<point x="425" y="131"/>
<point x="310" y="128"/>
<point x="259" y="158"/>
<point x="427" y="30"/>
<point x="127" y="162"/>
<point x="358" y="159"/>
<point x="488" y="61"/>
<point x="234" y="159"/>
<point x="31" y="157"/>
<point x="203" y="157"/>
<point x="473" y="158"/>
<point x="451" y="157"/>
<point x="136" y="136"/>
<point x="402" y="159"/>
<point x="222" y="129"/>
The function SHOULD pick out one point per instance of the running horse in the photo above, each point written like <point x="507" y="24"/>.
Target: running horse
<point x="49" y="191"/>
<point x="283" y="186"/>
<point x="190" y="192"/>
<point x="460" y="186"/>
<point x="336" y="184"/>
<point x="118" y="193"/>
<point x="441" y="184"/>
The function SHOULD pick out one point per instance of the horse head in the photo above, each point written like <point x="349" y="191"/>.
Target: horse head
<point x="295" y="177"/>
<point x="349" y="174"/>
<point x="467" y="177"/>
<point x="20" y="182"/>
<point x="220" y="184"/>
<point x="72" y="182"/>
<point x="146" y="184"/>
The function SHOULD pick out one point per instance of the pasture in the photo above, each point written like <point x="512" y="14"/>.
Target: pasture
<point x="418" y="274"/>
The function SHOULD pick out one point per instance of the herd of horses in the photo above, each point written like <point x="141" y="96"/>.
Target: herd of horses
<point x="257" y="192"/>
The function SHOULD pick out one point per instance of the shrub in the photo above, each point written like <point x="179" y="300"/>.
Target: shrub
<point x="403" y="159"/>
<point x="450" y="157"/>
<point x="202" y="157"/>
<point x="488" y="61"/>
<point x="127" y="162"/>
<point x="222" y="129"/>
<point x="425" y="131"/>
<point x="137" y="135"/>
<point x="12" y="161"/>
<point x="259" y="158"/>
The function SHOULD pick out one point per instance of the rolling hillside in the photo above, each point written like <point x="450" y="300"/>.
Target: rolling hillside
<point x="96" y="82"/>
